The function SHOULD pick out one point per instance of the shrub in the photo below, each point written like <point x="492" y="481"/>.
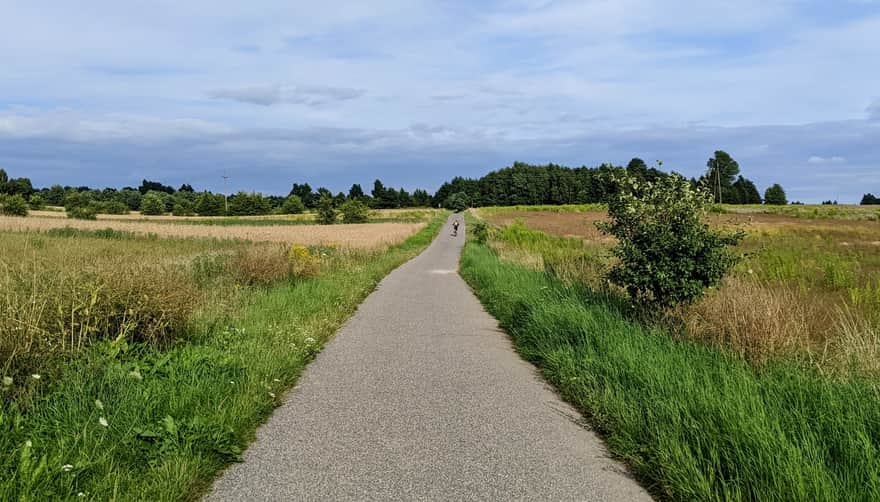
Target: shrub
<point x="667" y="255"/>
<point x="76" y="199"/>
<point x="152" y="205"/>
<point x="13" y="205"/>
<point x="458" y="202"/>
<point x="87" y="212"/>
<point x="775" y="196"/>
<point x="37" y="203"/>
<point x="480" y="232"/>
<point x="208" y="204"/>
<point x="182" y="207"/>
<point x="111" y="207"/>
<point x="355" y="211"/>
<point x="303" y="264"/>
<point x="326" y="211"/>
<point x="249" y="204"/>
<point x="292" y="205"/>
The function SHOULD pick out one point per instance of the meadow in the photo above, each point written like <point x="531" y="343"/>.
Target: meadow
<point x="766" y="389"/>
<point x="136" y="366"/>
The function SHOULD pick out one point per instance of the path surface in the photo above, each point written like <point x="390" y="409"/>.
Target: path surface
<point x="421" y="397"/>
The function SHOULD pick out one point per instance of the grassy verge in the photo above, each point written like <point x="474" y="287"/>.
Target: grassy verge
<point x="132" y="422"/>
<point x="693" y="422"/>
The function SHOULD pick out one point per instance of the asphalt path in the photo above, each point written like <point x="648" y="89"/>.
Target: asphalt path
<point x="421" y="397"/>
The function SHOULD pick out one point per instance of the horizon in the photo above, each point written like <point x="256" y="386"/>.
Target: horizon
<point x="414" y="94"/>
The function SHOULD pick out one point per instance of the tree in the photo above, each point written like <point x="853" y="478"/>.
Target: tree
<point x="775" y="196"/>
<point x="666" y="254"/>
<point x="355" y="192"/>
<point x="55" y="195"/>
<point x="154" y="186"/>
<point x="458" y="202"/>
<point x="421" y="198"/>
<point x="208" y="204"/>
<point x="747" y="192"/>
<point x="354" y="211"/>
<point x="4" y="179"/>
<point x="305" y="194"/>
<point x="292" y="205"/>
<point x="637" y="168"/>
<point x="720" y="176"/>
<point x="37" y="202"/>
<point x="186" y="188"/>
<point x="869" y="199"/>
<point x="152" y="204"/>
<point x="326" y="211"/>
<point x="13" y="205"/>
<point x="249" y="204"/>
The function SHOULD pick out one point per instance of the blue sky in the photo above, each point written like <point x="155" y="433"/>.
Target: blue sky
<point x="106" y="93"/>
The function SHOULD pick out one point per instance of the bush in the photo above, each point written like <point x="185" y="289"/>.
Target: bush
<point x="37" y="203"/>
<point x="249" y="204"/>
<point x="87" y="212"/>
<point x="182" y="207"/>
<point x="152" y="205"/>
<point x="667" y="254"/>
<point x="13" y="205"/>
<point x="326" y="211"/>
<point x="303" y="264"/>
<point x="76" y="199"/>
<point x="480" y="232"/>
<point x="208" y="204"/>
<point x="355" y="211"/>
<point x="775" y="196"/>
<point x="292" y="205"/>
<point x="111" y="207"/>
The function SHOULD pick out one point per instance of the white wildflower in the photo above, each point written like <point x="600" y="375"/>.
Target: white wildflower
<point x="28" y="443"/>
<point x="103" y="421"/>
<point x="272" y="395"/>
<point x="66" y="467"/>
<point x="310" y="341"/>
<point x="276" y="380"/>
<point x="80" y="494"/>
<point x="135" y="374"/>
<point x="35" y="376"/>
<point x="99" y="404"/>
<point x="7" y="381"/>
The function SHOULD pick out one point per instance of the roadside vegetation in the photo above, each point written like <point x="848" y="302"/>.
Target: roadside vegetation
<point x="136" y="367"/>
<point x="763" y="387"/>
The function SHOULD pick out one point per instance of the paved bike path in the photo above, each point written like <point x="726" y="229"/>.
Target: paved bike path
<point x="420" y="397"/>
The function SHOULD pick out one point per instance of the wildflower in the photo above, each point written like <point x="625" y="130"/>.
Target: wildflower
<point x="232" y="382"/>
<point x="272" y="395"/>
<point x="28" y="444"/>
<point x="66" y="467"/>
<point x="276" y="380"/>
<point x="35" y="376"/>
<point x="310" y="341"/>
<point x="7" y="381"/>
<point x="103" y="421"/>
<point x="99" y="404"/>
<point x="80" y="494"/>
<point x="135" y="374"/>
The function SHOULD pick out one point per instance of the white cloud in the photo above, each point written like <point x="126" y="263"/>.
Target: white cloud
<point x="275" y="94"/>
<point x="815" y="159"/>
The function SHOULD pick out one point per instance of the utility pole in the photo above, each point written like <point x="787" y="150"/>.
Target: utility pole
<point x="225" y="192"/>
<point x="718" y="180"/>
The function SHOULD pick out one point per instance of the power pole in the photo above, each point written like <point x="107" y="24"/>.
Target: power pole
<point x="225" y="192"/>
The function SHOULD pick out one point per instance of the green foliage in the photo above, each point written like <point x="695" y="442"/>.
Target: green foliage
<point x="354" y="211"/>
<point x="208" y="204"/>
<point x="693" y="422"/>
<point x="326" y="211"/>
<point x="111" y="207"/>
<point x="775" y="196"/>
<point x="13" y="205"/>
<point x="249" y="204"/>
<point x="37" y="203"/>
<point x="152" y="204"/>
<point x="480" y="231"/>
<point x="76" y="199"/>
<point x="182" y="207"/>
<point x="869" y="199"/>
<point x="458" y="202"/>
<point x="292" y="205"/>
<point x="86" y="212"/>
<point x="667" y="255"/>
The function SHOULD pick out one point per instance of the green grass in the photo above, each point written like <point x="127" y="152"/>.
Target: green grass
<point x="564" y="208"/>
<point x="693" y="422"/>
<point x="176" y="417"/>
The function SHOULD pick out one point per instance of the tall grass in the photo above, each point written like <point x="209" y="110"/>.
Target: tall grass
<point x="694" y="422"/>
<point x="128" y="421"/>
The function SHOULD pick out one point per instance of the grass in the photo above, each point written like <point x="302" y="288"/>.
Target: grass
<point x="808" y="289"/>
<point x="125" y="420"/>
<point x="693" y="422"/>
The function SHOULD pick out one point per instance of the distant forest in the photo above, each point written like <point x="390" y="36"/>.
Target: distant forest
<point x="519" y="184"/>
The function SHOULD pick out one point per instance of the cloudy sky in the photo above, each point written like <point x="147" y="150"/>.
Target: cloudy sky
<point x="335" y="92"/>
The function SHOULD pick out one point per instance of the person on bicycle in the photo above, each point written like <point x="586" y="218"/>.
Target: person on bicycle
<point x="454" y="227"/>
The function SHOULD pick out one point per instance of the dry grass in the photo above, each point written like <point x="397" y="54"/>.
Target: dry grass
<point x="363" y="236"/>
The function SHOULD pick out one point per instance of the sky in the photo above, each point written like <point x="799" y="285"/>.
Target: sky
<point x="106" y="93"/>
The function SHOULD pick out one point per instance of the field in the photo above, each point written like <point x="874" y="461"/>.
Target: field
<point x="767" y="389"/>
<point x="135" y="367"/>
<point x="806" y="287"/>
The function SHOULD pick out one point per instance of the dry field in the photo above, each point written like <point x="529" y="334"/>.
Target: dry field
<point x="805" y="285"/>
<point x="362" y="236"/>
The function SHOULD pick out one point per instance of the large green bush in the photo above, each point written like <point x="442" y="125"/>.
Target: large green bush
<point x="152" y="204"/>
<point x="292" y="205"/>
<point x="37" y="203"/>
<point x="667" y="254"/>
<point x="326" y="211"/>
<point x="13" y="205"/>
<point x="249" y="204"/>
<point x="355" y="211"/>
<point x="208" y="204"/>
<point x="86" y="212"/>
<point x="111" y="207"/>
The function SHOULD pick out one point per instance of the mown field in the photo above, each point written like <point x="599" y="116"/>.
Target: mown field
<point x="766" y="389"/>
<point x="135" y="365"/>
